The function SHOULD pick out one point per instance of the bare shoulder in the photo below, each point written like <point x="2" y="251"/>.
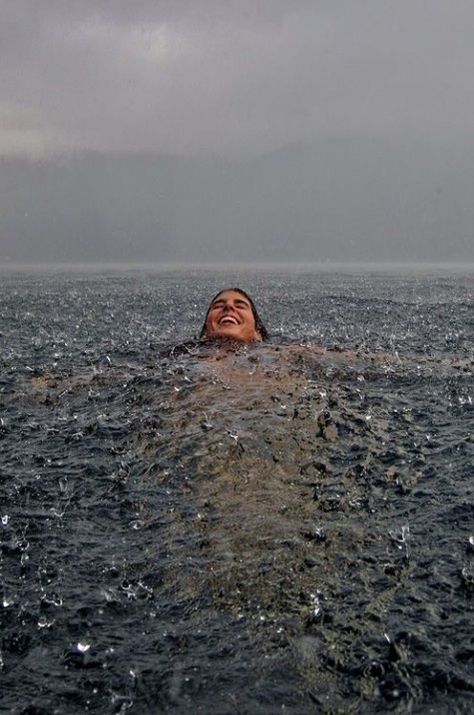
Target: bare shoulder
<point x="308" y="350"/>
<point x="52" y="386"/>
<point x="308" y="353"/>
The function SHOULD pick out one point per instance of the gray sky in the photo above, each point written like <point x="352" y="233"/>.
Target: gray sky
<point x="235" y="80"/>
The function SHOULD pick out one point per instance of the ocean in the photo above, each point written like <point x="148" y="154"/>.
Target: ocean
<point x="276" y="527"/>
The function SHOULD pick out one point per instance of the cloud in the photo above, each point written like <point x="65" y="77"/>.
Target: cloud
<point x="233" y="78"/>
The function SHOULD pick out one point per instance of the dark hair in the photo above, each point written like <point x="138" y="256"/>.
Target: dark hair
<point x="259" y="326"/>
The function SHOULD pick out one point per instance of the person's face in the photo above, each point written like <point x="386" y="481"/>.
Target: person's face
<point x="231" y="316"/>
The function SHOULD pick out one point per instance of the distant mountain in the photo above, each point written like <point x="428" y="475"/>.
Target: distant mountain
<point x="340" y="200"/>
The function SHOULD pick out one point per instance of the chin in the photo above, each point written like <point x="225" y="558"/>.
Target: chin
<point x="226" y="335"/>
<point x="229" y="335"/>
<point x="232" y="333"/>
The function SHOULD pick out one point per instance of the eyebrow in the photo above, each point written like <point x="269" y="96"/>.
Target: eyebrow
<point x="238" y="301"/>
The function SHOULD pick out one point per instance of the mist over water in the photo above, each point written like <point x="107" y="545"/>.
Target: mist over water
<point x="243" y="528"/>
<point x="336" y="199"/>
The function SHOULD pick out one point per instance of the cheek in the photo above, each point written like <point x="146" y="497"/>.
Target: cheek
<point x="211" y="319"/>
<point x="251" y="320"/>
<point x="248" y="326"/>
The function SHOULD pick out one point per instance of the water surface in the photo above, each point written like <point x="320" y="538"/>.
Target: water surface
<point x="254" y="528"/>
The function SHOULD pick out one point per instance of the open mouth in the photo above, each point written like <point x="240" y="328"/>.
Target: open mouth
<point x="228" y="320"/>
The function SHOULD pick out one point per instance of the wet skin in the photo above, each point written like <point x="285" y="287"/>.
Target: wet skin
<point x="230" y="316"/>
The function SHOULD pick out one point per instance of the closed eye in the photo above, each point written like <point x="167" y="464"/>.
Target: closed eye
<point x="242" y="304"/>
<point x="237" y="304"/>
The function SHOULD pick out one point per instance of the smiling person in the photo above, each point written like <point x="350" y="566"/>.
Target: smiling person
<point x="232" y="315"/>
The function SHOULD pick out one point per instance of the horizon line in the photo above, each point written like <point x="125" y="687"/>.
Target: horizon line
<point x="258" y="266"/>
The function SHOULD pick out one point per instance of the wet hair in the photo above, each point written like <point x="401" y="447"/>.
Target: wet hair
<point x="259" y="326"/>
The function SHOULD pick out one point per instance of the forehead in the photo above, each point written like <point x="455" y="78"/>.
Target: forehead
<point x="231" y="295"/>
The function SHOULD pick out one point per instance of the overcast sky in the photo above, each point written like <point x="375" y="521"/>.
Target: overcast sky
<point x="235" y="80"/>
<point x="231" y="77"/>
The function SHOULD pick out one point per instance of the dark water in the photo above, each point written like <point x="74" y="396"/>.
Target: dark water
<point x="246" y="530"/>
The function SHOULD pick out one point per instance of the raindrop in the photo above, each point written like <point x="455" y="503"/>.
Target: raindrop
<point x="401" y="538"/>
<point x="53" y="599"/>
